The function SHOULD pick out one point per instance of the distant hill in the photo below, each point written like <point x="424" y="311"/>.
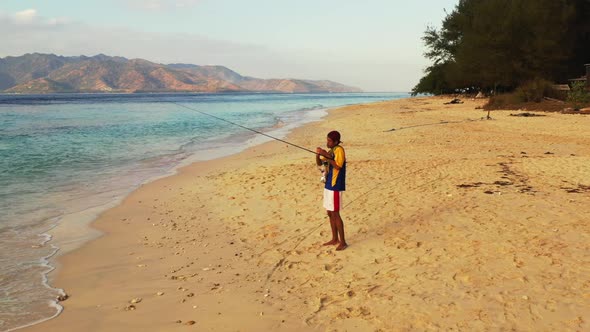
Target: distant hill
<point x="49" y="73"/>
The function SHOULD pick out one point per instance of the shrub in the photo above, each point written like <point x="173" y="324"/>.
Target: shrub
<point x="501" y="101"/>
<point x="534" y="90"/>
<point x="578" y="95"/>
<point x="557" y="94"/>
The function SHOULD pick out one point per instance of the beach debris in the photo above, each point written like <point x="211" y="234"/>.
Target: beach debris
<point x="63" y="297"/>
<point x="130" y="307"/>
<point x="160" y="293"/>
<point x="190" y="322"/>
<point x="135" y="300"/>
<point x="580" y="189"/>
<point x="553" y="99"/>
<point x="570" y="110"/>
<point x="526" y="114"/>
<point x="470" y="185"/>
<point x="524" y="297"/>
<point x="178" y="321"/>
<point x="454" y="101"/>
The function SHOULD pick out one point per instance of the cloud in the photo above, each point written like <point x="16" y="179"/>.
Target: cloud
<point x="25" y="16"/>
<point x="158" y="5"/>
<point x="29" y="18"/>
<point x="69" y="38"/>
<point x="34" y="33"/>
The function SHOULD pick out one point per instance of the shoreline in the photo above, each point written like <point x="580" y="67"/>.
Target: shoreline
<point x="205" y="167"/>
<point x="60" y="237"/>
<point x="267" y="250"/>
<point x="91" y="213"/>
<point x="76" y="190"/>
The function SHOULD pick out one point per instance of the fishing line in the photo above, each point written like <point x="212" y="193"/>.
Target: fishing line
<point x="244" y="127"/>
<point x="433" y="124"/>
<point x="304" y="237"/>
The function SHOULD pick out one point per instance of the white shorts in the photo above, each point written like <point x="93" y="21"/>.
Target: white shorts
<point x="332" y="200"/>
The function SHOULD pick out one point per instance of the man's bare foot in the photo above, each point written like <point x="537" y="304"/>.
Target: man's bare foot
<point x="342" y="246"/>
<point x="331" y="243"/>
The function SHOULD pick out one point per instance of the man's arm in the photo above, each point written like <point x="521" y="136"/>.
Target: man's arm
<point x="334" y="163"/>
<point x="328" y="157"/>
<point x="318" y="161"/>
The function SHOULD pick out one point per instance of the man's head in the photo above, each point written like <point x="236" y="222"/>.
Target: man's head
<point x="333" y="139"/>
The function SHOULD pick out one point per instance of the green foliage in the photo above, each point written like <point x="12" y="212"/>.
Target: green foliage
<point x="434" y="82"/>
<point x="534" y="90"/>
<point x="579" y="96"/>
<point x="502" y="44"/>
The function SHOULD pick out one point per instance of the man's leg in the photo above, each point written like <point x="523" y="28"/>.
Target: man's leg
<point x="334" y="230"/>
<point x="340" y="229"/>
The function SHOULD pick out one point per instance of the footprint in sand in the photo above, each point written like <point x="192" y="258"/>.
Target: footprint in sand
<point x="332" y="268"/>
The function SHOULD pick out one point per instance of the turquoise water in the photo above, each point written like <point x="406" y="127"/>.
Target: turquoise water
<point x="62" y="155"/>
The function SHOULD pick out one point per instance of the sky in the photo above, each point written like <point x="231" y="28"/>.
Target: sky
<point x="374" y="45"/>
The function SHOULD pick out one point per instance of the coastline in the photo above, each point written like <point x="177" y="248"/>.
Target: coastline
<point x="238" y="237"/>
<point x="75" y="229"/>
<point x="102" y="230"/>
<point x="153" y="142"/>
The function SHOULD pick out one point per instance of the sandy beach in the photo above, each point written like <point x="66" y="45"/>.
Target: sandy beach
<point x="454" y="223"/>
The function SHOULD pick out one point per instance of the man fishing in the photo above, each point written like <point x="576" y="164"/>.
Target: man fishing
<point x="335" y="186"/>
<point x="335" y="179"/>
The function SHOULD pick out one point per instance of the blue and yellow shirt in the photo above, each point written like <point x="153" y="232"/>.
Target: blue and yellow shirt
<point x="336" y="178"/>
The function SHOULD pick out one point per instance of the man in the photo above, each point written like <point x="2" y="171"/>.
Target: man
<point x="335" y="185"/>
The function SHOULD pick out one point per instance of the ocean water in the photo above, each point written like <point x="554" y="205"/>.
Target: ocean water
<point x="65" y="158"/>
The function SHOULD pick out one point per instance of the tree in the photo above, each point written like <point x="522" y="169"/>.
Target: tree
<point x="502" y="44"/>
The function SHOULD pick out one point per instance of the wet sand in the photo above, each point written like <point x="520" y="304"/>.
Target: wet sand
<point x="453" y="222"/>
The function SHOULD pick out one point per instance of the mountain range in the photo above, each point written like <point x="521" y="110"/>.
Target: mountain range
<point x="49" y="73"/>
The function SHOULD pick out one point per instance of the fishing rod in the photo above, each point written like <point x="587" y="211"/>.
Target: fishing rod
<point x="239" y="125"/>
